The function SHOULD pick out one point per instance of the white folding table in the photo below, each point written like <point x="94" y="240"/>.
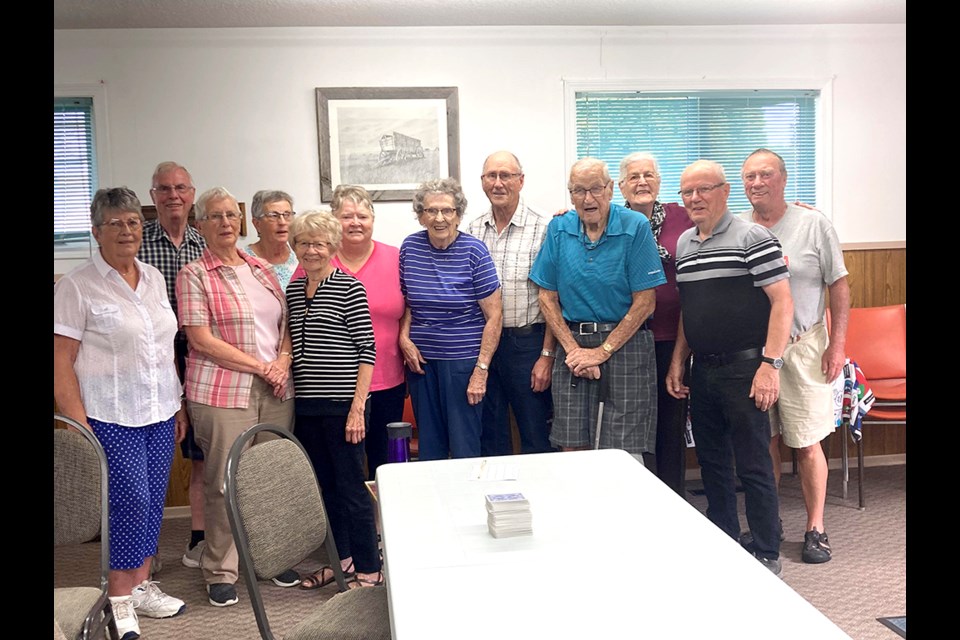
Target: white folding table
<point x="614" y="554"/>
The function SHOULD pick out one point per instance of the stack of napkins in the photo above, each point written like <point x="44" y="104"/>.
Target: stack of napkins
<point x="508" y="514"/>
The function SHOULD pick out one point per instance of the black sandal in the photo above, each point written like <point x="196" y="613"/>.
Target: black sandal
<point x="324" y="576"/>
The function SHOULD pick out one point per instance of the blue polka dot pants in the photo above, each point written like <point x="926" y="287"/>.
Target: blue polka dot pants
<point x="138" y="463"/>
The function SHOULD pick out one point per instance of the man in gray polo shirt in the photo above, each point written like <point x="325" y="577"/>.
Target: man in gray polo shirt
<point x="735" y="314"/>
<point x="803" y="416"/>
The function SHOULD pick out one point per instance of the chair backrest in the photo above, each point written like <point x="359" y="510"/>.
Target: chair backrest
<point x="877" y="341"/>
<point x="80" y="490"/>
<point x="275" y="508"/>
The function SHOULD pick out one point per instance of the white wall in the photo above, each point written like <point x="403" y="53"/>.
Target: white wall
<point x="237" y="106"/>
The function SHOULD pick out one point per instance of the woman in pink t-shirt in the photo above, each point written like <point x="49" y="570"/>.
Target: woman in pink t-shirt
<point x="377" y="266"/>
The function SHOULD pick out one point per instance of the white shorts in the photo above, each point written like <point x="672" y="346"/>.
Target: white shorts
<point x="803" y="415"/>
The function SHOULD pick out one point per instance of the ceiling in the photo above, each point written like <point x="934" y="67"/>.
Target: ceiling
<point x="138" y="14"/>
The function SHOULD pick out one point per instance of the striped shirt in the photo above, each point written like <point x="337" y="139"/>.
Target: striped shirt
<point x="721" y="282"/>
<point x="442" y="287"/>
<point x="211" y="295"/>
<point x="513" y="251"/>
<point x="332" y="336"/>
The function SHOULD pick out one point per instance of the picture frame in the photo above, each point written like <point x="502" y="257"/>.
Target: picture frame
<point x="388" y="140"/>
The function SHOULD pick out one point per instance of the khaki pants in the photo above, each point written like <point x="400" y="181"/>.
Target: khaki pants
<point x="215" y="430"/>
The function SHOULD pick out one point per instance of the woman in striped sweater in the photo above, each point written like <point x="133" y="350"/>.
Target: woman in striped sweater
<point x="333" y="358"/>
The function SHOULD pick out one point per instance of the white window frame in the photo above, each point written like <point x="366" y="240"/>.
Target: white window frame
<point x="98" y="93"/>
<point x="824" y="160"/>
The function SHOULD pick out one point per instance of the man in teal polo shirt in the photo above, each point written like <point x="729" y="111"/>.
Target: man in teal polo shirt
<point x="597" y="271"/>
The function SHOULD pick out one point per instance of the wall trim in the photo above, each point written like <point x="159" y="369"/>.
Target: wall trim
<point x="869" y="246"/>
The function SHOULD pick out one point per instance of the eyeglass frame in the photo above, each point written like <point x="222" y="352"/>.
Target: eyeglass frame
<point x="699" y="190"/>
<point x="231" y="216"/>
<point x="275" y="216"/>
<point x="167" y="189"/>
<point x="306" y="246"/>
<point x="433" y="211"/>
<point x="583" y="192"/>
<point x="133" y="224"/>
<point x="499" y="175"/>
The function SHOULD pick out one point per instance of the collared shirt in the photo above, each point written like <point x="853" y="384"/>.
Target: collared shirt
<point x="211" y="295"/>
<point x="157" y="250"/>
<point x="125" y="363"/>
<point x="513" y="251"/>
<point x="721" y="280"/>
<point x="596" y="280"/>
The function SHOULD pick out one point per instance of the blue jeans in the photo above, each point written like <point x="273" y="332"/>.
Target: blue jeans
<point x="447" y="424"/>
<point x="729" y="429"/>
<point x="508" y="385"/>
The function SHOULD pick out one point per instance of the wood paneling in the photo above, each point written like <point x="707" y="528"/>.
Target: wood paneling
<point x="878" y="277"/>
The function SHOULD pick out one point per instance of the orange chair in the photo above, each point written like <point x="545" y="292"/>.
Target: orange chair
<point x="877" y="342"/>
<point x="409" y="417"/>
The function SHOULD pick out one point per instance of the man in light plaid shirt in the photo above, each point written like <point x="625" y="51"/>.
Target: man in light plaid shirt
<point x="520" y="371"/>
<point x="169" y="242"/>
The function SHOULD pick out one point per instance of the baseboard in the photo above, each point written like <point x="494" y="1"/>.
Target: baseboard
<point x="835" y="463"/>
<point x="176" y="512"/>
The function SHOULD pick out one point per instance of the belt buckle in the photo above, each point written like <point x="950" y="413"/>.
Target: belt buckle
<point x="581" y="332"/>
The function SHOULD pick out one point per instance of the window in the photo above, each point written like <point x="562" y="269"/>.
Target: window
<point x="724" y="126"/>
<point x="75" y="176"/>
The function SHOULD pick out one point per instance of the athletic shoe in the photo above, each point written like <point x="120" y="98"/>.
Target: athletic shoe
<point x="288" y="578"/>
<point x="153" y="603"/>
<point x="222" y="594"/>
<point x="770" y="563"/>
<point x="191" y="557"/>
<point x="816" y="547"/>
<point x="126" y="617"/>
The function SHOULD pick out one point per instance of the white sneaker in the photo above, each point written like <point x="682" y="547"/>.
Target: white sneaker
<point x="153" y="603"/>
<point x="191" y="557"/>
<point x="126" y="617"/>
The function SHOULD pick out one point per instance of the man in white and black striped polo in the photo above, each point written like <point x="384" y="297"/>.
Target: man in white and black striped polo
<point x="735" y="315"/>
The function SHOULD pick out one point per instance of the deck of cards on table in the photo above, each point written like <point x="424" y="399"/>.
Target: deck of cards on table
<point x="508" y="514"/>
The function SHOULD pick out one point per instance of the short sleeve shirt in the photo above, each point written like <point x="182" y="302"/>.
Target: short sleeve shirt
<point x="596" y="280"/>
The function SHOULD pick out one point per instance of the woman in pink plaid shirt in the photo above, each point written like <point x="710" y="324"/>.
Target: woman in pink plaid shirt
<point x="233" y="310"/>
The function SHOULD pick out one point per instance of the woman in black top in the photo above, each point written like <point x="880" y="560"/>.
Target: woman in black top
<point x="333" y="358"/>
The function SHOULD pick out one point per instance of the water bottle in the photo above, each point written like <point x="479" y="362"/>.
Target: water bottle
<point x="398" y="441"/>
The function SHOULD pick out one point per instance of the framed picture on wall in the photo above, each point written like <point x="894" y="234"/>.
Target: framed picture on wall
<point x="388" y="140"/>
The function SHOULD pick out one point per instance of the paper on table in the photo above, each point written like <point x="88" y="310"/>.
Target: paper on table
<point x="494" y="471"/>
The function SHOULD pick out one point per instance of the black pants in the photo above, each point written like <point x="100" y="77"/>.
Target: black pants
<point x="671" y="462"/>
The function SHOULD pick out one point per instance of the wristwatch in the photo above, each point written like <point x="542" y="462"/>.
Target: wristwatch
<point x="482" y="366"/>
<point x="546" y="353"/>
<point x="776" y="363"/>
<point x="607" y="347"/>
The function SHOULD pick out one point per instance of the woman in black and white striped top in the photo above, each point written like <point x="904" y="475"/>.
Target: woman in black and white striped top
<point x="333" y="357"/>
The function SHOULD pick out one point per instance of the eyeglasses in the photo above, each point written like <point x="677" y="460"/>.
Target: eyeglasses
<point x="319" y="246"/>
<point x="688" y="193"/>
<point x="446" y="211"/>
<point x="634" y="178"/>
<point x="275" y="216"/>
<point x="117" y="224"/>
<point x="167" y="189"/>
<point x="229" y="216"/>
<point x="580" y="193"/>
<point x="502" y="176"/>
<point x="763" y="175"/>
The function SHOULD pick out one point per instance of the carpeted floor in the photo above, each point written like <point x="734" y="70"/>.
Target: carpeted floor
<point x="865" y="580"/>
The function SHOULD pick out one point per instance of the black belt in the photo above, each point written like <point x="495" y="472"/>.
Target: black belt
<point x="718" y="359"/>
<point x="524" y="331"/>
<point x="589" y="328"/>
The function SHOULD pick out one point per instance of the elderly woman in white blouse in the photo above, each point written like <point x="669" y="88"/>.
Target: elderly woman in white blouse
<point x="114" y="373"/>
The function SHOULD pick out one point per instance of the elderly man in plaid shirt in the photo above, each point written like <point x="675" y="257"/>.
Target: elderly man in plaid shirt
<point x="520" y="371"/>
<point x="169" y="242"/>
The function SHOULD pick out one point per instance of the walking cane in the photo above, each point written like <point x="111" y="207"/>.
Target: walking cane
<point x="604" y="393"/>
